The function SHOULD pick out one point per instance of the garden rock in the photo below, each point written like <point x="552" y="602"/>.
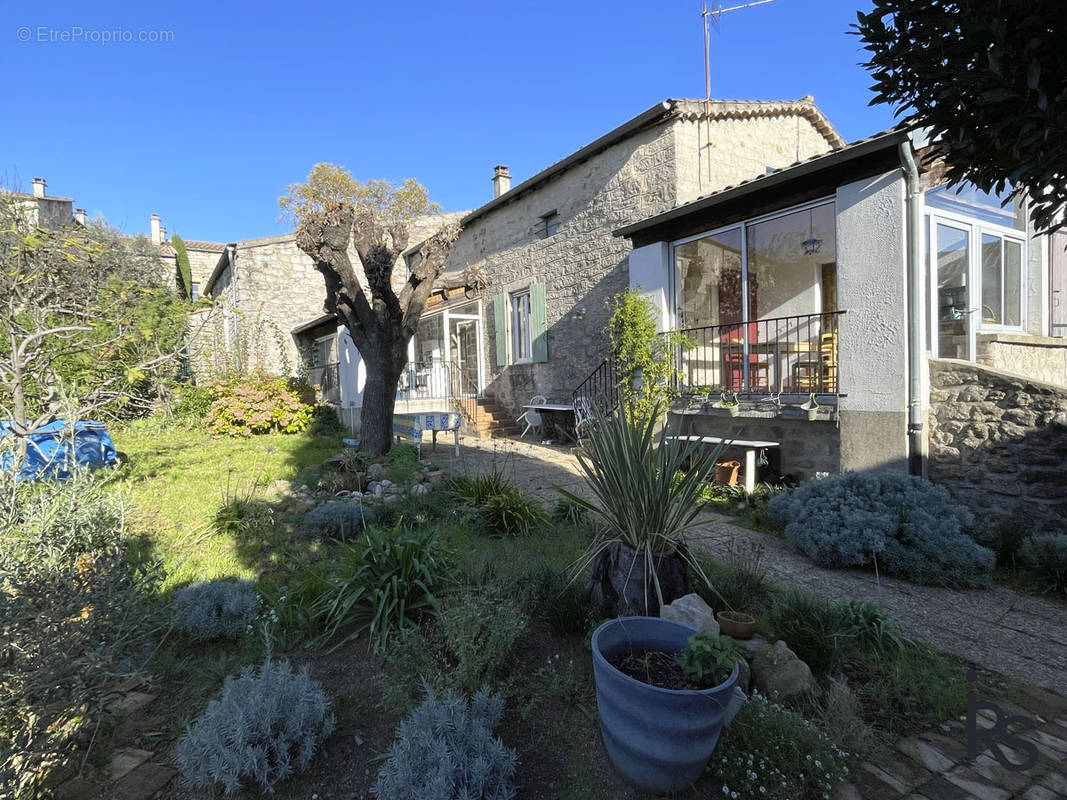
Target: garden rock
<point x="375" y="471"/>
<point x="753" y="646"/>
<point x="779" y="674"/>
<point x="435" y="476"/>
<point x="420" y="488"/>
<point x="691" y="610"/>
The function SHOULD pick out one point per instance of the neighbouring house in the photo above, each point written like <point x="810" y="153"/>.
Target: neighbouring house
<point x="47" y="211"/>
<point x="924" y="322"/>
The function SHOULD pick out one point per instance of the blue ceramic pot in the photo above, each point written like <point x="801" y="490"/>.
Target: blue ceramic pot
<point x="659" y="739"/>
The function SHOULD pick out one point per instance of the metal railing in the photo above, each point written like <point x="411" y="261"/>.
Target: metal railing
<point x="601" y="388"/>
<point x="796" y="354"/>
<point x="328" y="380"/>
<point x="440" y="380"/>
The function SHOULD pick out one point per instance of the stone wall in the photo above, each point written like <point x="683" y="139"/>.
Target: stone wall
<point x="998" y="442"/>
<point x="1035" y="357"/>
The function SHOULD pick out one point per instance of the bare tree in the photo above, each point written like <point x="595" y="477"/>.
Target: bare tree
<point x="334" y="212"/>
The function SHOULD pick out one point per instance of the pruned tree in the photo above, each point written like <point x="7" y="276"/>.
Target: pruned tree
<point x="989" y="78"/>
<point x="184" y="276"/>
<point x="336" y="214"/>
<point x="86" y="321"/>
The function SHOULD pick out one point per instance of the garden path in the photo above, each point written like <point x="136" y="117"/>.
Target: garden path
<point x="1019" y="635"/>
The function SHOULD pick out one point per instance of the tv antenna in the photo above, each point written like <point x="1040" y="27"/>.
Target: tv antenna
<point x="717" y="11"/>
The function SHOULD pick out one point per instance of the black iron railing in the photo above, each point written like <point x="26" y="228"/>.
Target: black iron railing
<point x="601" y="388"/>
<point x="328" y="380"/>
<point x="440" y="380"/>
<point x="795" y="354"/>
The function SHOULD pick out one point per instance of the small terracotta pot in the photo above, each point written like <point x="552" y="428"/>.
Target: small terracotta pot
<point x="735" y="624"/>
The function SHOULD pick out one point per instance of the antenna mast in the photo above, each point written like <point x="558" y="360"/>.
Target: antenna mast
<point x="717" y="12"/>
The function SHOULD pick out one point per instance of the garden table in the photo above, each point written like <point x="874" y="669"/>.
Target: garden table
<point x="558" y="417"/>
<point x="412" y="425"/>
<point x="750" y="447"/>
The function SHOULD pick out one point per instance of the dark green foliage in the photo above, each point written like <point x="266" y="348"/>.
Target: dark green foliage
<point x="1047" y="553"/>
<point x="564" y="603"/>
<point x="771" y="747"/>
<point x="338" y="519"/>
<point x="192" y="403"/>
<point x="870" y="628"/>
<point x="565" y="510"/>
<point x="903" y="524"/>
<point x="707" y="660"/>
<point x="446" y="750"/>
<point x="325" y="422"/>
<point x="989" y="79"/>
<point x="733" y="588"/>
<point x="1004" y="539"/>
<point x="385" y="582"/>
<point x="215" y="609"/>
<point x="184" y="276"/>
<point x="512" y="513"/>
<point x="265" y="726"/>
<point x="404" y="460"/>
<point x="911" y="690"/>
<point x="476" y="491"/>
<point x="480" y="632"/>
<point x="814" y="629"/>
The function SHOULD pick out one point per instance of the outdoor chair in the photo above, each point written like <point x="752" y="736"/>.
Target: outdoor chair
<point x="583" y="416"/>
<point x="530" y="416"/>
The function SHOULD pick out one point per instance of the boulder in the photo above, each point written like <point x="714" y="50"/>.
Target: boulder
<point x="691" y="610"/>
<point x="779" y="674"/>
<point x="420" y="488"/>
<point x="375" y="471"/>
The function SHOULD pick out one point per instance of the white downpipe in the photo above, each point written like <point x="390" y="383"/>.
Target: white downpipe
<point x="913" y="231"/>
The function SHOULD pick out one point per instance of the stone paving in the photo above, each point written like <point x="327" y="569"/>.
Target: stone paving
<point x="1020" y="636"/>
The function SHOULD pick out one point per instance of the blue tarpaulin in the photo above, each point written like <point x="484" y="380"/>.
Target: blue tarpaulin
<point x="49" y="452"/>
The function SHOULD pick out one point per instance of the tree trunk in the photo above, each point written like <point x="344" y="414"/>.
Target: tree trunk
<point x="385" y="364"/>
<point x="621" y="583"/>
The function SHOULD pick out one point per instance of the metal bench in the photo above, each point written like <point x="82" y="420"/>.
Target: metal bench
<point x="750" y="448"/>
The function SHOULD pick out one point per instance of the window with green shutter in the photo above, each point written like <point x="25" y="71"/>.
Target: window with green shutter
<point x="521" y="326"/>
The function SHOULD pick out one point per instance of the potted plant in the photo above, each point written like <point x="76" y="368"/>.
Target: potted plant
<point x="664" y="693"/>
<point x="729" y="405"/>
<point x="736" y="624"/>
<point x="646" y="490"/>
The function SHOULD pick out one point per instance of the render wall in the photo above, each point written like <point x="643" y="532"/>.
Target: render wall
<point x="998" y="443"/>
<point x="872" y="344"/>
<point x="1036" y="358"/>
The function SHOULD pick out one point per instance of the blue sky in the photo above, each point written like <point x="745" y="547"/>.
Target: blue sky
<point x="208" y="129"/>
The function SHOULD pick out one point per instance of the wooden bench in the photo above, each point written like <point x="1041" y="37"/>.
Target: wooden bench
<point x="412" y="425"/>
<point x="750" y="448"/>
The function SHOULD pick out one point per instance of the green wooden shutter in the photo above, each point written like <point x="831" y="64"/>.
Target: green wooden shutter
<point x="538" y="323"/>
<point x="500" y="323"/>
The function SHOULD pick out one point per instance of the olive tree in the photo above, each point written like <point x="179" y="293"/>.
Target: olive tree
<point x="990" y="79"/>
<point x="379" y="299"/>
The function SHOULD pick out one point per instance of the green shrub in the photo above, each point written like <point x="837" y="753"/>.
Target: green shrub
<point x="512" y="513"/>
<point x="476" y="491"/>
<point x="446" y="750"/>
<point x="1047" y="553"/>
<point x="192" y="403"/>
<point x="75" y="615"/>
<point x="1004" y="539"/>
<point x="259" y="404"/>
<point x="707" y="660"/>
<point x="870" y="628"/>
<point x="338" y="519"/>
<point x="266" y="725"/>
<point x="325" y="422"/>
<point x="737" y="589"/>
<point x="387" y="582"/>
<point x="566" y="510"/>
<point x="771" y="752"/>
<point x="404" y="460"/>
<point x="215" y="609"/>
<point x="903" y="524"/>
<point x="480" y="633"/>
<point x="913" y="689"/>
<point x="814" y="628"/>
<point x="563" y="603"/>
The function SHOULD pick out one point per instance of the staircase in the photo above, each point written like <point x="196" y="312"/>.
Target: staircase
<point x="491" y="421"/>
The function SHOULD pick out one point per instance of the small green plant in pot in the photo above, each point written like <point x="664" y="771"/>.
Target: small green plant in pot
<point x="639" y="560"/>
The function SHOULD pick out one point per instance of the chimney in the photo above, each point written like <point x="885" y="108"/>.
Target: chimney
<point x="157" y="234"/>
<point x="38" y="187"/>
<point x="501" y="180"/>
<point x="80" y="216"/>
<point x="162" y="235"/>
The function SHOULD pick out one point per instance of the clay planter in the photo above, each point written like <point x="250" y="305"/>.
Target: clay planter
<point x="659" y="739"/>
<point x="735" y="624"/>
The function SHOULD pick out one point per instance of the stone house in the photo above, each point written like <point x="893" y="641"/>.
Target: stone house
<point x="522" y="302"/>
<point x="924" y="322"/>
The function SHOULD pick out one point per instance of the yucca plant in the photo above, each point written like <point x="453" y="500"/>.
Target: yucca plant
<point x="646" y="490"/>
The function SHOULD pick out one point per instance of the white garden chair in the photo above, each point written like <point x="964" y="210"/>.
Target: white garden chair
<point x="530" y="416"/>
<point x="583" y="416"/>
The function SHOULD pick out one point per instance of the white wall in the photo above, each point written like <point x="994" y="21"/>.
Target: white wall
<point x="650" y="272"/>
<point x="352" y="371"/>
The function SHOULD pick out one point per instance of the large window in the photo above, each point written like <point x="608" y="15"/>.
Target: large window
<point x="521" y="341"/>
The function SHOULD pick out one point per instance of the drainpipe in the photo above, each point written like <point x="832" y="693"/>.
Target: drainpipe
<point x="913" y="230"/>
<point x="232" y="260"/>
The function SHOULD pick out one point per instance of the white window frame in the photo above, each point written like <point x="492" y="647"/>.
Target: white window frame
<point x="519" y="335"/>
<point x="975" y="229"/>
<point x="332" y="338"/>
<point x="554" y="217"/>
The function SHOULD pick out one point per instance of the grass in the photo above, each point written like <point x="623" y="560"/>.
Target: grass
<point x="199" y="503"/>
